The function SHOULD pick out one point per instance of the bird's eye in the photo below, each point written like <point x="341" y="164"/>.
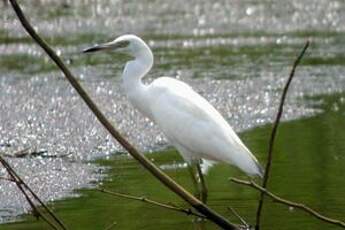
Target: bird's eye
<point x="122" y="44"/>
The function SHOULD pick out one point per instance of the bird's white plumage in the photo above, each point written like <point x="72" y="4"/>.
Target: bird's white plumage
<point x="189" y="121"/>
<point x="195" y="127"/>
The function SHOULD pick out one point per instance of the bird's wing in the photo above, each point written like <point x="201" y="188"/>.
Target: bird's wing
<point x="190" y="121"/>
<point x="180" y="98"/>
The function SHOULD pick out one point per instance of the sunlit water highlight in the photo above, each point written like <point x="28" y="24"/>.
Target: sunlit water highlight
<point x="236" y="54"/>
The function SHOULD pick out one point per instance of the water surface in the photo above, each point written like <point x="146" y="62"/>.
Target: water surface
<point x="235" y="53"/>
<point x="308" y="167"/>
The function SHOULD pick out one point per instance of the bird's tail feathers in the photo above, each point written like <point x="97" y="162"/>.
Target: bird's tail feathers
<point x="261" y="170"/>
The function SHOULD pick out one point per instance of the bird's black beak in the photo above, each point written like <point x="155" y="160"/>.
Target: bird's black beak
<point x="97" y="48"/>
<point x="107" y="46"/>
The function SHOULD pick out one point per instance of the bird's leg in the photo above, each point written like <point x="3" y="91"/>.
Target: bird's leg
<point x="194" y="180"/>
<point x="204" y="190"/>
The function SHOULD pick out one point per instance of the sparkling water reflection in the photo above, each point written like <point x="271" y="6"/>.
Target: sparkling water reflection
<point x="235" y="53"/>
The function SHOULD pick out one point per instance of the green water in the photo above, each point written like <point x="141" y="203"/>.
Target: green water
<point x="308" y="167"/>
<point x="309" y="160"/>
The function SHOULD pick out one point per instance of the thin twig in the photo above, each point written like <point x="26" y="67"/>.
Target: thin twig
<point x="15" y="179"/>
<point x="153" y="202"/>
<point x="6" y="178"/>
<point x="152" y="168"/>
<point x="273" y="134"/>
<point x="18" y="154"/>
<point x="290" y="203"/>
<point x="244" y="223"/>
<point x="111" y="226"/>
<point x="22" y="186"/>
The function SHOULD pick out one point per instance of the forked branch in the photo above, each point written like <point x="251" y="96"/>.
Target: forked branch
<point x="175" y="208"/>
<point x="274" y="133"/>
<point x="29" y="194"/>
<point x="289" y="203"/>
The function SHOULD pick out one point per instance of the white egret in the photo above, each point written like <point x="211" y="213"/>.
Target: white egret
<point x="191" y="124"/>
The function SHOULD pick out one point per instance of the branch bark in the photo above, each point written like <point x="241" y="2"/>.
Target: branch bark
<point x="111" y="226"/>
<point x="6" y="178"/>
<point x="186" y="211"/>
<point x="300" y="206"/>
<point x="274" y="133"/>
<point x="23" y="187"/>
<point x="244" y="223"/>
<point x="153" y="169"/>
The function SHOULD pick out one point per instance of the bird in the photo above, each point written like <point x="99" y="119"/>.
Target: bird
<point x="189" y="122"/>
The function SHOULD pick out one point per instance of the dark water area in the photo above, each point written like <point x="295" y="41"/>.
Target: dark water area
<point x="237" y="54"/>
<point x="308" y="167"/>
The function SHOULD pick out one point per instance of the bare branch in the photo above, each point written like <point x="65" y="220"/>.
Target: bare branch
<point x="274" y="133"/>
<point x="152" y="202"/>
<point x="6" y="178"/>
<point x="300" y="206"/>
<point x="244" y="223"/>
<point x="152" y="168"/>
<point x="23" y="187"/>
<point x="111" y="226"/>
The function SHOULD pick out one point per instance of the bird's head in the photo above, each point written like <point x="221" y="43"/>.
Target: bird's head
<point x="128" y="44"/>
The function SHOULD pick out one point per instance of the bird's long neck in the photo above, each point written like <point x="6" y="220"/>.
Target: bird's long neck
<point x="135" y="70"/>
<point x="132" y="75"/>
